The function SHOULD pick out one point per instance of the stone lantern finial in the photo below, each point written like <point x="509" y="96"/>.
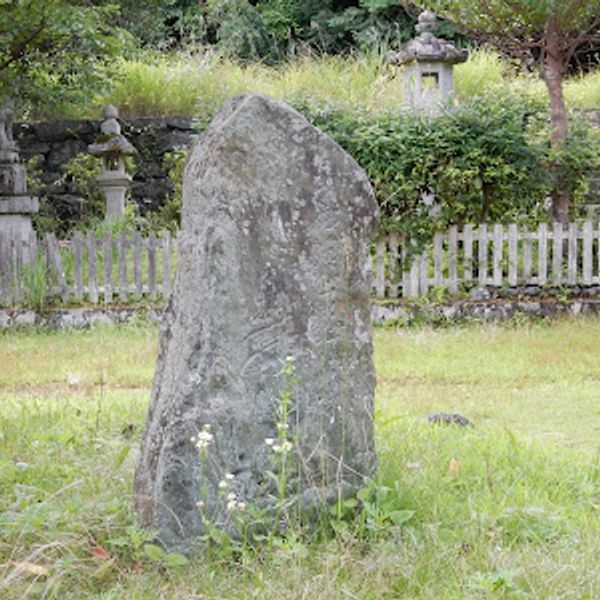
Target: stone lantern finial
<point x="112" y="148"/>
<point x="427" y="22"/>
<point x="428" y="63"/>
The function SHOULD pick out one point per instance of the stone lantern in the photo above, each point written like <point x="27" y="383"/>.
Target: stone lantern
<point x="112" y="147"/>
<point x="428" y="63"/>
<point x="16" y="206"/>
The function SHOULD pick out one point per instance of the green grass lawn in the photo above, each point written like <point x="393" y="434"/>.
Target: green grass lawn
<point x="507" y="509"/>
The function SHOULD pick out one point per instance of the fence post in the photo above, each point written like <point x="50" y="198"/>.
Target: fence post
<point x="437" y="258"/>
<point x="108" y="266"/>
<point x="54" y="263"/>
<point x="483" y="254"/>
<point x="151" y="263"/>
<point x="78" y="266"/>
<point x="513" y="258"/>
<point x="137" y="264"/>
<point x="424" y="272"/>
<point x="588" y="241"/>
<point x="527" y="256"/>
<point x="468" y="253"/>
<point x="542" y="254"/>
<point x="557" y="252"/>
<point x="498" y="253"/>
<point x="453" y="259"/>
<point x="123" y="285"/>
<point x="572" y="256"/>
<point x="92" y="267"/>
<point x="393" y="266"/>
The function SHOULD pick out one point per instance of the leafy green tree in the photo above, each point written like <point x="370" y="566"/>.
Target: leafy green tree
<point x="546" y="33"/>
<point x="46" y="45"/>
<point x="274" y="29"/>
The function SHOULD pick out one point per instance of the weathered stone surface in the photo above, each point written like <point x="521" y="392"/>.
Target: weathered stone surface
<point x="273" y="263"/>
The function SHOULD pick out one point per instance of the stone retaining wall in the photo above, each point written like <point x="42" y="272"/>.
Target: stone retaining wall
<point x="490" y="311"/>
<point x="56" y="143"/>
<point x="399" y="313"/>
<point x="78" y="318"/>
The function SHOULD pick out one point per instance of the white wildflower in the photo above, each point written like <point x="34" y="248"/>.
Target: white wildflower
<point x="223" y="484"/>
<point x="282" y="426"/>
<point x="231" y="496"/>
<point x="269" y="441"/>
<point x="229" y="476"/>
<point x="282" y="448"/>
<point x="203" y="439"/>
<point x="241" y="506"/>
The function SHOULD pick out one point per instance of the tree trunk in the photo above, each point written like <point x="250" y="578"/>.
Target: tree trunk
<point x="486" y="190"/>
<point x="553" y="72"/>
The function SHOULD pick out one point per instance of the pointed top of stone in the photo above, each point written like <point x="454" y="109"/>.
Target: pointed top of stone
<point x="111" y="112"/>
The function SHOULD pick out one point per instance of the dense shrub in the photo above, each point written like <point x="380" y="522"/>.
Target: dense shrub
<point x="488" y="160"/>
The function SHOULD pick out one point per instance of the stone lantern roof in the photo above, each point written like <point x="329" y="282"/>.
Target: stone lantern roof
<point x="426" y="47"/>
<point x="111" y="144"/>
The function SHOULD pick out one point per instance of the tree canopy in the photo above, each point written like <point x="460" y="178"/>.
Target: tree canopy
<point x="50" y="43"/>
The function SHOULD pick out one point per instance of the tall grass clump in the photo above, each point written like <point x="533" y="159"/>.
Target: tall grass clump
<point x="584" y="92"/>
<point x="164" y="86"/>
<point x="197" y="84"/>
<point x="485" y="71"/>
<point x="361" y="82"/>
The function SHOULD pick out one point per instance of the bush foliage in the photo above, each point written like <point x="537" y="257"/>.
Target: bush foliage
<point x="487" y="160"/>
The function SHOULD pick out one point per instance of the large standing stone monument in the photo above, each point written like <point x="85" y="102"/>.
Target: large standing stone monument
<point x="274" y="252"/>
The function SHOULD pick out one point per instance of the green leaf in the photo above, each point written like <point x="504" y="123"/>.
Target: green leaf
<point x="154" y="552"/>
<point x="174" y="560"/>
<point x="121" y="456"/>
<point x="399" y="517"/>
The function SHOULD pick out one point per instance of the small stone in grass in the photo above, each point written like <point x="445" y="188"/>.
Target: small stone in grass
<point x="449" y="419"/>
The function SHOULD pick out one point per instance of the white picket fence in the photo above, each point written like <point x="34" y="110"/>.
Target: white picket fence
<point x="88" y="268"/>
<point x="131" y="267"/>
<point x="490" y="256"/>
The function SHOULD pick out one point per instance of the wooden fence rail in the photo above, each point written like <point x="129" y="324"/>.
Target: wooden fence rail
<point x="128" y="267"/>
<point x="490" y="256"/>
<point x="88" y="268"/>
